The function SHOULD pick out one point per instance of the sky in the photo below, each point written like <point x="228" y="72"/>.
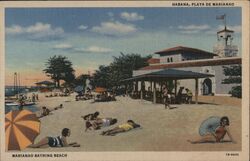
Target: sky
<point x="90" y="37"/>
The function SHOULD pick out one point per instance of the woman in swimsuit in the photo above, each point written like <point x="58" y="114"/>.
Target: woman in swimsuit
<point x="130" y="124"/>
<point x="59" y="141"/>
<point x="92" y="116"/>
<point x="217" y="135"/>
<point x="99" y="122"/>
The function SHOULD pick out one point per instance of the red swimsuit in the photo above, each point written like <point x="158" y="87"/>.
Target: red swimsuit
<point x="220" y="132"/>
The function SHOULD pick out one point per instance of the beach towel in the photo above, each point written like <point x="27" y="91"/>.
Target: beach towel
<point x="209" y="125"/>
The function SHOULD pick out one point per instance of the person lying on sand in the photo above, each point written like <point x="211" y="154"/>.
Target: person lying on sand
<point x="99" y="122"/>
<point x="91" y="116"/>
<point x="58" y="107"/>
<point x="45" y="112"/>
<point x="129" y="125"/>
<point x="213" y="130"/>
<point x="59" y="141"/>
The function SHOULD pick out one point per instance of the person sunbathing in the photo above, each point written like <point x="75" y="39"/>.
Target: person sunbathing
<point x="45" y="112"/>
<point x="129" y="125"/>
<point x="91" y="116"/>
<point x="59" y="141"/>
<point x="99" y="123"/>
<point x="214" y="131"/>
<point x="58" y="107"/>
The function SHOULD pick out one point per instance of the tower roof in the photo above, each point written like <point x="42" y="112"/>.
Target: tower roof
<point x="225" y="30"/>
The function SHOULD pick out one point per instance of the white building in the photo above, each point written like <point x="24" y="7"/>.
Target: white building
<point x="196" y="60"/>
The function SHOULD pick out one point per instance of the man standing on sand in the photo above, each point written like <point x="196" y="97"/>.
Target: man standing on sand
<point x="33" y="97"/>
<point x="166" y="98"/>
<point x="189" y="96"/>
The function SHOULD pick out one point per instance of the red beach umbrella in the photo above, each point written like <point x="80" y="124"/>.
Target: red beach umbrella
<point x="21" y="129"/>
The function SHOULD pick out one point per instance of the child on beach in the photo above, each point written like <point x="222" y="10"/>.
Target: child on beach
<point x="213" y="130"/>
<point x="129" y="125"/>
<point x="59" y="141"/>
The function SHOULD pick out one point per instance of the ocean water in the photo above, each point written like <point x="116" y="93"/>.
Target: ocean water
<point x="32" y="108"/>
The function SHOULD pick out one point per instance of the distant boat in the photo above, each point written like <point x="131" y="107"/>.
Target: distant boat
<point x="17" y="104"/>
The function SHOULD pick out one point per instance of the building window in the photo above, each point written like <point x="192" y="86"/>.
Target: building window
<point x="171" y="59"/>
<point x="168" y="60"/>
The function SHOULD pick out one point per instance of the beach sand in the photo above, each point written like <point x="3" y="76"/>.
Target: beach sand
<point x="162" y="130"/>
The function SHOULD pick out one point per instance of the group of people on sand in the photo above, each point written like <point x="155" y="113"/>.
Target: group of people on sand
<point x="45" y="111"/>
<point x="105" y="97"/>
<point x="212" y="130"/>
<point x="94" y="122"/>
<point x="180" y="97"/>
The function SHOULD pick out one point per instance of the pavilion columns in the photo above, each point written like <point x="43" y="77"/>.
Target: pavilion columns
<point x="175" y="88"/>
<point x="126" y="89"/>
<point x="136" y="86"/>
<point x="196" y="90"/>
<point x="142" y="89"/>
<point x="154" y="93"/>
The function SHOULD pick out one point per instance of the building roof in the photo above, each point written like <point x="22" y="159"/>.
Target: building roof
<point x="182" y="48"/>
<point x="170" y="74"/>
<point x="45" y="83"/>
<point x="153" y="60"/>
<point x="196" y="63"/>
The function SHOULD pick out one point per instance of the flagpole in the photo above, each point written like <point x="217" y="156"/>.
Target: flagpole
<point x="225" y="22"/>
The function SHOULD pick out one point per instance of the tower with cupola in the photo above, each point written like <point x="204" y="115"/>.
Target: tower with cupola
<point x="224" y="46"/>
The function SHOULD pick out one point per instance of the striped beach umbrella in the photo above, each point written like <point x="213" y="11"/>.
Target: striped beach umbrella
<point x="21" y="129"/>
<point x="209" y="125"/>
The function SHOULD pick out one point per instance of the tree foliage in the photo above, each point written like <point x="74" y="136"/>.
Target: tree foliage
<point x="233" y="74"/>
<point x="103" y="77"/>
<point x="59" y="68"/>
<point x="121" y="68"/>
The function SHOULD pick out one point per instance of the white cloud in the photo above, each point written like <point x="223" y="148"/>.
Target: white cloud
<point x="38" y="27"/>
<point x="114" y="28"/>
<point x="194" y="27"/>
<point x="189" y="31"/>
<point x="38" y="31"/>
<point x="63" y="46"/>
<point x="94" y="49"/>
<point x="131" y="16"/>
<point x="15" y="29"/>
<point x="82" y="27"/>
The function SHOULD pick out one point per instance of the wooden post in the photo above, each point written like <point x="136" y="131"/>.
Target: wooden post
<point x="136" y="86"/>
<point x="196" y="90"/>
<point x="175" y="88"/>
<point x="154" y="94"/>
<point x="126" y="89"/>
<point x="142" y="86"/>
